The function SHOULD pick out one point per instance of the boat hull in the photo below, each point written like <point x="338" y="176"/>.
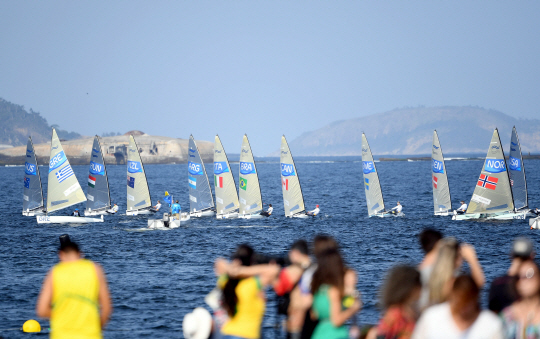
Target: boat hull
<point x="251" y="216"/>
<point x="299" y="215"/>
<point x="88" y="213"/>
<point x="65" y="219"/>
<point x="233" y="215"/>
<point x="388" y="215"/>
<point x="519" y="215"/>
<point x="534" y="223"/>
<point x="202" y="214"/>
<point x="139" y="212"/>
<point x="33" y="213"/>
<point x="443" y="214"/>
<point x="173" y="223"/>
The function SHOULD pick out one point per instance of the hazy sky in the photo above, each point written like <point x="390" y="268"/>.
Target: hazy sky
<point x="264" y="68"/>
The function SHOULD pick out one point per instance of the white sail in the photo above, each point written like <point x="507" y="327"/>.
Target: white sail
<point x="492" y="193"/>
<point x="293" y="200"/>
<point x="224" y="186"/>
<point x="138" y="193"/>
<point x="98" y="194"/>
<point x="200" y="194"/>
<point x="372" y="186"/>
<point x="32" y="193"/>
<point x="249" y="191"/>
<point x="517" y="173"/>
<point x="63" y="189"/>
<point x="441" y="191"/>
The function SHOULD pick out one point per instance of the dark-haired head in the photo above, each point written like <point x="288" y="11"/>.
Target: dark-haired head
<point x="68" y="245"/>
<point x="244" y="254"/>
<point x="330" y="271"/>
<point x="300" y="246"/>
<point x="464" y="298"/>
<point x="323" y="243"/>
<point x="429" y="238"/>
<point x="402" y="286"/>
<point x="528" y="282"/>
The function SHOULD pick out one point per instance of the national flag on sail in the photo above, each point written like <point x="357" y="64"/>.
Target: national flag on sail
<point x="218" y="181"/>
<point x="487" y="182"/>
<point x="64" y="173"/>
<point x="91" y="181"/>
<point x="243" y="183"/>
<point x="285" y="183"/>
<point x="26" y="182"/>
<point x="435" y="179"/>
<point x="366" y="182"/>
<point x="131" y="182"/>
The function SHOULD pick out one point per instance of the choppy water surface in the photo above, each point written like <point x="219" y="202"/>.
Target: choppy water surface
<point x="156" y="277"/>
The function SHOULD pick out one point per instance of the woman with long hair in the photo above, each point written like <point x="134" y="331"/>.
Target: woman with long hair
<point x="399" y="295"/>
<point x="521" y="320"/>
<point x="328" y="287"/>
<point x="243" y="293"/>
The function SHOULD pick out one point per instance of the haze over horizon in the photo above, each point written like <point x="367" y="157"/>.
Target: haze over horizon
<point x="265" y="69"/>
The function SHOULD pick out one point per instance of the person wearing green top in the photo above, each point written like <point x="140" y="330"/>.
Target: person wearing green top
<point x="328" y="288"/>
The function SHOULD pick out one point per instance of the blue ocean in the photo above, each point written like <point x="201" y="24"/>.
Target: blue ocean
<point x="157" y="276"/>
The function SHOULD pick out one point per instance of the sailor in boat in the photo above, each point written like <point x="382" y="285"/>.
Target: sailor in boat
<point x="268" y="212"/>
<point x="175" y="209"/>
<point x="463" y="208"/>
<point x="397" y="209"/>
<point x="113" y="210"/>
<point x="314" y="212"/>
<point x="156" y="208"/>
<point x="76" y="213"/>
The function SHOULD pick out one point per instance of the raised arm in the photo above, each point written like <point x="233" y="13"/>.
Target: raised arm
<point x="338" y="316"/>
<point x="469" y="255"/>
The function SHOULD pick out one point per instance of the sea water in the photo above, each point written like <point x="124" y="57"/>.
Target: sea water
<point x="157" y="276"/>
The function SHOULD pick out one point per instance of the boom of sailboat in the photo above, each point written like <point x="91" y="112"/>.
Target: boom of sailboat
<point x="500" y="192"/>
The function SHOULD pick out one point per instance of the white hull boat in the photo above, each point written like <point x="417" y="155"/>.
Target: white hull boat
<point x="89" y="213"/>
<point x="202" y="214"/>
<point x="168" y="221"/>
<point x="61" y="219"/>
<point x="233" y="215"/>
<point x="33" y="213"/>
<point x="32" y="192"/>
<point x="140" y="212"/>
<point x="251" y="216"/>
<point x="519" y="215"/>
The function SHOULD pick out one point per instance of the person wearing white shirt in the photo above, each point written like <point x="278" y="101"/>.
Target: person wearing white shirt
<point x="113" y="210"/>
<point x="459" y="318"/>
<point x="314" y="212"/>
<point x="157" y="207"/>
<point x="268" y="212"/>
<point x="462" y="209"/>
<point x="397" y="209"/>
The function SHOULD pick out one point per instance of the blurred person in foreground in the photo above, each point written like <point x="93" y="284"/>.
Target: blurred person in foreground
<point x="74" y="295"/>
<point x="329" y="293"/>
<point x="521" y="320"/>
<point x="460" y="317"/>
<point x="243" y="297"/>
<point x="399" y="295"/>
<point x="502" y="292"/>
<point x="429" y="238"/>
<point x="450" y="258"/>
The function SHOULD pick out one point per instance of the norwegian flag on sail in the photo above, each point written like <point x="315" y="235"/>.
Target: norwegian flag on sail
<point x="285" y="183"/>
<point x="435" y="179"/>
<point x="487" y="181"/>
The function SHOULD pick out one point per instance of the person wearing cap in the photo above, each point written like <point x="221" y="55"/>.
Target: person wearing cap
<point x="397" y="209"/>
<point x="113" y="210"/>
<point x="76" y="213"/>
<point x="198" y="324"/>
<point x="463" y="208"/>
<point x="268" y="212"/>
<point x="75" y="295"/>
<point x="314" y="212"/>
<point x="502" y="292"/>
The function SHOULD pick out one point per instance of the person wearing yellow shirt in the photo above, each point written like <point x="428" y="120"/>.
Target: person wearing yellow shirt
<point x="74" y="295"/>
<point x="243" y="293"/>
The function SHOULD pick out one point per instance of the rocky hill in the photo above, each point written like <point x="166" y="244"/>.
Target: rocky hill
<point x="17" y="124"/>
<point x="409" y="131"/>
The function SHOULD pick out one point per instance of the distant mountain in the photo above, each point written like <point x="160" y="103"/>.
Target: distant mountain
<point x="18" y="124"/>
<point x="410" y="131"/>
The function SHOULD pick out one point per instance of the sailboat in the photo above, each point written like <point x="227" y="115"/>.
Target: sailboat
<point x="492" y="197"/>
<point x="249" y="191"/>
<point x="138" y="193"/>
<point x="98" y="194"/>
<point x="293" y="200"/>
<point x="63" y="189"/>
<point x="201" y="202"/>
<point x="442" y="203"/>
<point x="372" y="186"/>
<point x="518" y="182"/>
<point x="169" y="220"/>
<point x="32" y="193"/>
<point x="224" y="186"/>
